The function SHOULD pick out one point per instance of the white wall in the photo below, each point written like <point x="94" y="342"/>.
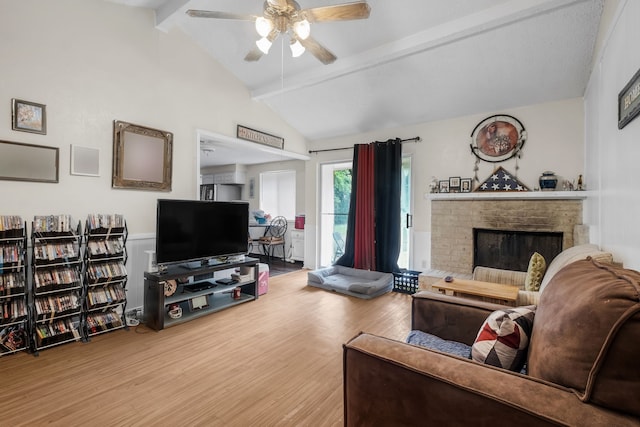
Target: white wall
<point x="555" y="142"/>
<point x="92" y="62"/>
<point x="612" y="154"/>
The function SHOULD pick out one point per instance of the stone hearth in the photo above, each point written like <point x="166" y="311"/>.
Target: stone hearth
<point x="454" y="217"/>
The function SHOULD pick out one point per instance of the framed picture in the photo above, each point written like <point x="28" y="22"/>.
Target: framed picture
<point x="498" y="138"/>
<point x="454" y="184"/>
<point x="28" y="116"/>
<point x="28" y="162"/>
<point x="443" y="186"/>
<point x="629" y="101"/>
<point x="141" y="157"/>
<point x="465" y="185"/>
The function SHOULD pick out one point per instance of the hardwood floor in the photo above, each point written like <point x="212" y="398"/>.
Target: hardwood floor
<point x="277" y="266"/>
<point x="271" y="362"/>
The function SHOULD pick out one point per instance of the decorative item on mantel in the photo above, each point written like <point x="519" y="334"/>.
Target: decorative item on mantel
<point x="433" y="185"/>
<point x="501" y="180"/>
<point x="548" y="181"/>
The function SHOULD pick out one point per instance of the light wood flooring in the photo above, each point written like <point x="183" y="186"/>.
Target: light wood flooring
<point x="271" y="362"/>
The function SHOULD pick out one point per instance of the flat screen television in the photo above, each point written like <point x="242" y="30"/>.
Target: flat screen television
<point x="194" y="230"/>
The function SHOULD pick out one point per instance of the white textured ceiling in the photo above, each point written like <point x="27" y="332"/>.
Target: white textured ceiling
<point x="411" y="61"/>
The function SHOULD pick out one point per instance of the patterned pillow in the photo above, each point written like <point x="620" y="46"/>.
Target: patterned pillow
<point x="537" y="266"/>
<point x="504" y="337"/>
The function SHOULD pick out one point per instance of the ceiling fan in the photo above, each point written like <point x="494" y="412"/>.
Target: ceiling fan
<point x="286" y="17"/>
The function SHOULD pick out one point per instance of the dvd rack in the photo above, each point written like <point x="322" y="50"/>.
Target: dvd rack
<point x="57" y="290"/>
<point x="105" y="276"/>
<point x="14" y="317"/>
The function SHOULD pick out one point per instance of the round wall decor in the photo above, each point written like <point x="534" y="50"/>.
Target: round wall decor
<point x="498" y="138"/>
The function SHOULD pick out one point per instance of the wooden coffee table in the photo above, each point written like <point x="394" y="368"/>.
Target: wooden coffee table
<point x="485" y="291"/>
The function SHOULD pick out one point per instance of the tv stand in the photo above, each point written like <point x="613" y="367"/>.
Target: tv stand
<point x="203" y="296"/>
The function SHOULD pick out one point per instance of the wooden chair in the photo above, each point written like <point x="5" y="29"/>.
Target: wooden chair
<point x="273" y="237"/>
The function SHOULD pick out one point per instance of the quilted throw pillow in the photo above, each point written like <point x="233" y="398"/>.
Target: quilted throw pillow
<point x="504" y="337"/>
<point x="535" y="272"/>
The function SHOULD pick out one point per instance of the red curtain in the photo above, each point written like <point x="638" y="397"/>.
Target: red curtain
<point x="365" y="247"/>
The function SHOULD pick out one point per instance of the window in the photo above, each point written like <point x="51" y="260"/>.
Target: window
<point x="278" y="193"/>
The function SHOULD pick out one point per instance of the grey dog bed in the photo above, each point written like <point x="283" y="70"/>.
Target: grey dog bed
<point x="351" y="281"/>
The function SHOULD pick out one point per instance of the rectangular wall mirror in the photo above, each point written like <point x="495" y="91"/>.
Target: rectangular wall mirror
<point x="141" y="157"/>
<point x="28" y="162"/>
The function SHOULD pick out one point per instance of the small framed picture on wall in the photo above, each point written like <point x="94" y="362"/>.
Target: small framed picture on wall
<point x="28" y="116"/>
<point x="443" y="186"/>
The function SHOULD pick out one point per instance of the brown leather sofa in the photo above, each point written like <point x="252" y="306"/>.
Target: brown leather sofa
<point x="583" y="361"/>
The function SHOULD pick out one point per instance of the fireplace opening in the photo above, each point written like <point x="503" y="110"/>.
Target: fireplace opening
<point x="512" y="250"/>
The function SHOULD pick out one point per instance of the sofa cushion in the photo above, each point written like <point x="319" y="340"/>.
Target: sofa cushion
<point x="535" y="272"/>
<point x="503" y="339"/>
<point x="587" y="334"/>
<point x="573" y="254"/>
<point x="430" y="341"/>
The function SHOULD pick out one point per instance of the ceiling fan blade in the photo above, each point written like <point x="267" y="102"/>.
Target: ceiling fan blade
<point x="254" y="55"/>
<point x="318" y="51"/>
<point x="219" y="15"/>
<point x="339" y="12"/>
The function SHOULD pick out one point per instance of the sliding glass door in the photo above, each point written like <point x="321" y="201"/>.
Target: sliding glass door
<point x="335" y="195"/>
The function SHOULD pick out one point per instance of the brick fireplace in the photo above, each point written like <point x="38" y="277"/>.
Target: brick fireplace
<point x="454" y="218"/>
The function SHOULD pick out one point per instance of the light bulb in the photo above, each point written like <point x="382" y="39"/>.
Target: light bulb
<point x="264" y="44"/>
<point x="263" y="26"/>
<point x="296" y="49"/>
<point x="302" y="29"/>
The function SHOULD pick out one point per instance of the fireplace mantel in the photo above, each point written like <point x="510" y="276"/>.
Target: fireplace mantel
<point x="511" y="195"/>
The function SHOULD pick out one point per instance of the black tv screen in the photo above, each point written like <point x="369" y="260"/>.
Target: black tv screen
<point x="191" y="230"/>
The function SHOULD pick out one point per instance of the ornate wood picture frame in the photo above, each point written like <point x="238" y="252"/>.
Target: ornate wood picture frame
<point x="142" y="157"/>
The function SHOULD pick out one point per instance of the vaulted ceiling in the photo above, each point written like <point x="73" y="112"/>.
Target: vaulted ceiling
<point x="411" y="61"/>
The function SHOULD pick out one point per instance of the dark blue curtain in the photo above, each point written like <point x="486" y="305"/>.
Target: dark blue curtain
<point x="386" y="177"/>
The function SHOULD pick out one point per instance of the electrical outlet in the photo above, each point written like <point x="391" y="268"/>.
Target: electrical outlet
<point x="424" y="263"/>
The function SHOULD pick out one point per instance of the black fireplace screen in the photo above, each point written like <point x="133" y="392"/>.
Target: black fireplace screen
<point x="512" y="250"/>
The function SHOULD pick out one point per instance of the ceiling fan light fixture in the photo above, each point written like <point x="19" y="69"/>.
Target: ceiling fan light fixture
<point x="264" y="44"/>
<point x="302" y="29"/>
<point x="263" y="26"/>
<point x="296" y="48"/>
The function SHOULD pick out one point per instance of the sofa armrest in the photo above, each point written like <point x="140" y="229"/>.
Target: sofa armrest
<point x="448" y="317"/>
<point x="497" y="275"/>
<point x="388" y="382"/>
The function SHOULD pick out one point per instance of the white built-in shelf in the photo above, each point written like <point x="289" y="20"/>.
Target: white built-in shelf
<point x="510" y="195"/>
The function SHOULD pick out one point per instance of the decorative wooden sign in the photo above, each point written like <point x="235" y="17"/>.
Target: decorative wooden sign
<point x="629" y="101"/>
<point x="260" y="137"/>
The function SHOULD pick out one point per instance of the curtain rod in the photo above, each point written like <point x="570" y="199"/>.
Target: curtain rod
<point x="414" y="139"/>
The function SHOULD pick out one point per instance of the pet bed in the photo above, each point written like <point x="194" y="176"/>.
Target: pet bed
<point x="351" y="281"/>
